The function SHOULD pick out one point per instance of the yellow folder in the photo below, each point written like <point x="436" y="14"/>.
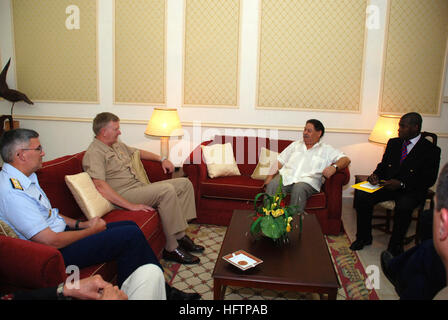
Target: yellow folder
<point x="367" y="187"/>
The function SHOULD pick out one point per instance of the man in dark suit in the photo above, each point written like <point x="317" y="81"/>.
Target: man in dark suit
<point x="409" y="167"/>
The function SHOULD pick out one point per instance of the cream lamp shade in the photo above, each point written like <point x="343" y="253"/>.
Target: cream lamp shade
<point x="386" y="127"/>
<point x="164" y="123"/>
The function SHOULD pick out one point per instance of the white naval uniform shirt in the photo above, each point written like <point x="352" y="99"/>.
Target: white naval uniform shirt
<point x="24" y="205"/>
<point x="306" y="165"/>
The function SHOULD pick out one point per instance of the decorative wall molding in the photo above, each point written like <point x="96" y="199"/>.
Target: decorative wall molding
<point x="209" y="125"/>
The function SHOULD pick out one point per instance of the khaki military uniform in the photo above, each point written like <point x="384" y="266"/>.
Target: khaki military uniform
<point x="174" y="198"/>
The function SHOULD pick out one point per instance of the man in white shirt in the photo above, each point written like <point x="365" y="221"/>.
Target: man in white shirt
<point x="303" y="163"/>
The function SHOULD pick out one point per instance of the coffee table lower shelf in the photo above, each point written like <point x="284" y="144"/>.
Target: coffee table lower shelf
<point x="220" y="286"/>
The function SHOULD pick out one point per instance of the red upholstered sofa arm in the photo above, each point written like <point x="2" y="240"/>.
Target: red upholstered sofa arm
<point x="31" y="265"/>
<point x="154" y="171"/>
<point x="195" y="169"/>
<point x="333" y="192"/>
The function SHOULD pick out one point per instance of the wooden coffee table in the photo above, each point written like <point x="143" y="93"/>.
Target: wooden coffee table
<point x="303" y="265"/>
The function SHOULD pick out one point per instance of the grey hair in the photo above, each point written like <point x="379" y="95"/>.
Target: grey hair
<point x="11" y="140"/>
<point x="101" y="120"/>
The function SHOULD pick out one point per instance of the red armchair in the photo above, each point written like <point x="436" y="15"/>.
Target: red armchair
<point x="28" y="265"/>
<point x="217" y="198"/>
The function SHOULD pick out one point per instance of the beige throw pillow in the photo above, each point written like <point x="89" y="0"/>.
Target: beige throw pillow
<point x="266" y="160"/>
<point x="220" y="160"/>
<point x="91" y="202"/>
<point x="137" y="165"/>
<point x="6" y="230"/>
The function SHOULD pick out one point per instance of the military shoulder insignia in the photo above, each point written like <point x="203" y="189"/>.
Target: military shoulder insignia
<point x="16" y="184"/>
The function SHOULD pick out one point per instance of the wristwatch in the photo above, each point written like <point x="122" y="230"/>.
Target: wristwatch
<point x="60" y="291"/>
<point x="163" y="159"/>
<point x="335" y="166"/>
<point x="402" y="185"/>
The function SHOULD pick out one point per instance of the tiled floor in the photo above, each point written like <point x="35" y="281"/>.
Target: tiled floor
<point x="370" y="255"/>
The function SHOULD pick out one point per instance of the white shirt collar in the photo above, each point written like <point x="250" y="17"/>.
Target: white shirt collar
<point x="415" y="140"/>
<point x="316" y="145"/>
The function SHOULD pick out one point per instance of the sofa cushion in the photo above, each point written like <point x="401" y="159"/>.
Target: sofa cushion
<point x="220" y="160"/>
<point x="148" y="222"/>
<point x="246" y="188"/>
<point x="6" y="230"/>
<point x="143" y="219"/>
<point x="91" y="202"/>
<point x="137" y="166"/>
<point x="237" y="188"/>
<point x="266" y="160"/>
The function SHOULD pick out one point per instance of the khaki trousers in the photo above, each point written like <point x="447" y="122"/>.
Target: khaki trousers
<point x="173" y="198"/>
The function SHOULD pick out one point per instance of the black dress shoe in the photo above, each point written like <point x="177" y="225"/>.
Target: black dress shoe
<point x="180" y="255"/>
<point x="395" y="250"/>
<point x="358" y="244"/>
<point x="386" y="257"/>
<point x="187" y="244"/>
<point x="175" y="294"/>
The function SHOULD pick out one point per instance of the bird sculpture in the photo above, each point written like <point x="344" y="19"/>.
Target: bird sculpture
<point x="10" y="94"/>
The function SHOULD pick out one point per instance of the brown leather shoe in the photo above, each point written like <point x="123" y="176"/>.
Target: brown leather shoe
<point x="187" y="244"/>
<point x="180" y="255"/>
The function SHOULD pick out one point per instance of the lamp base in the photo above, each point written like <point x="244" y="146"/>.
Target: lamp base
<point x="165" y="147"/>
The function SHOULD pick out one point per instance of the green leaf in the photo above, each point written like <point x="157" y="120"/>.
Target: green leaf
<point x="273" y="227"/>
<point x="257" y="197"/>
<point x="256" y="227"/>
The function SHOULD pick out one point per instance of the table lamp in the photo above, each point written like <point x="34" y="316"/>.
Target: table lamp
<point x="164" y="123"/>
<point x="386" y="127"/>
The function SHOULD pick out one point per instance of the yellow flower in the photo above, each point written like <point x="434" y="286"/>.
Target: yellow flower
<point x="277" y="213"/>
<point x="288" y="226"/>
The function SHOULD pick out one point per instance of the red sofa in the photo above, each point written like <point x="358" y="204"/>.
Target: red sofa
<point x="217" y="198"/>
<point x="27" y="265"/>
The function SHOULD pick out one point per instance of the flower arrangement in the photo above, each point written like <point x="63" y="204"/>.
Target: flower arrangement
<point x="272" y="217"/>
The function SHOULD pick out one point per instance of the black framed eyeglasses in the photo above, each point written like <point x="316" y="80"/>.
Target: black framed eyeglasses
<point x="39" y="148"/>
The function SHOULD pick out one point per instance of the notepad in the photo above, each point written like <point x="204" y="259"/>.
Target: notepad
<point x="367" y="186"/>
